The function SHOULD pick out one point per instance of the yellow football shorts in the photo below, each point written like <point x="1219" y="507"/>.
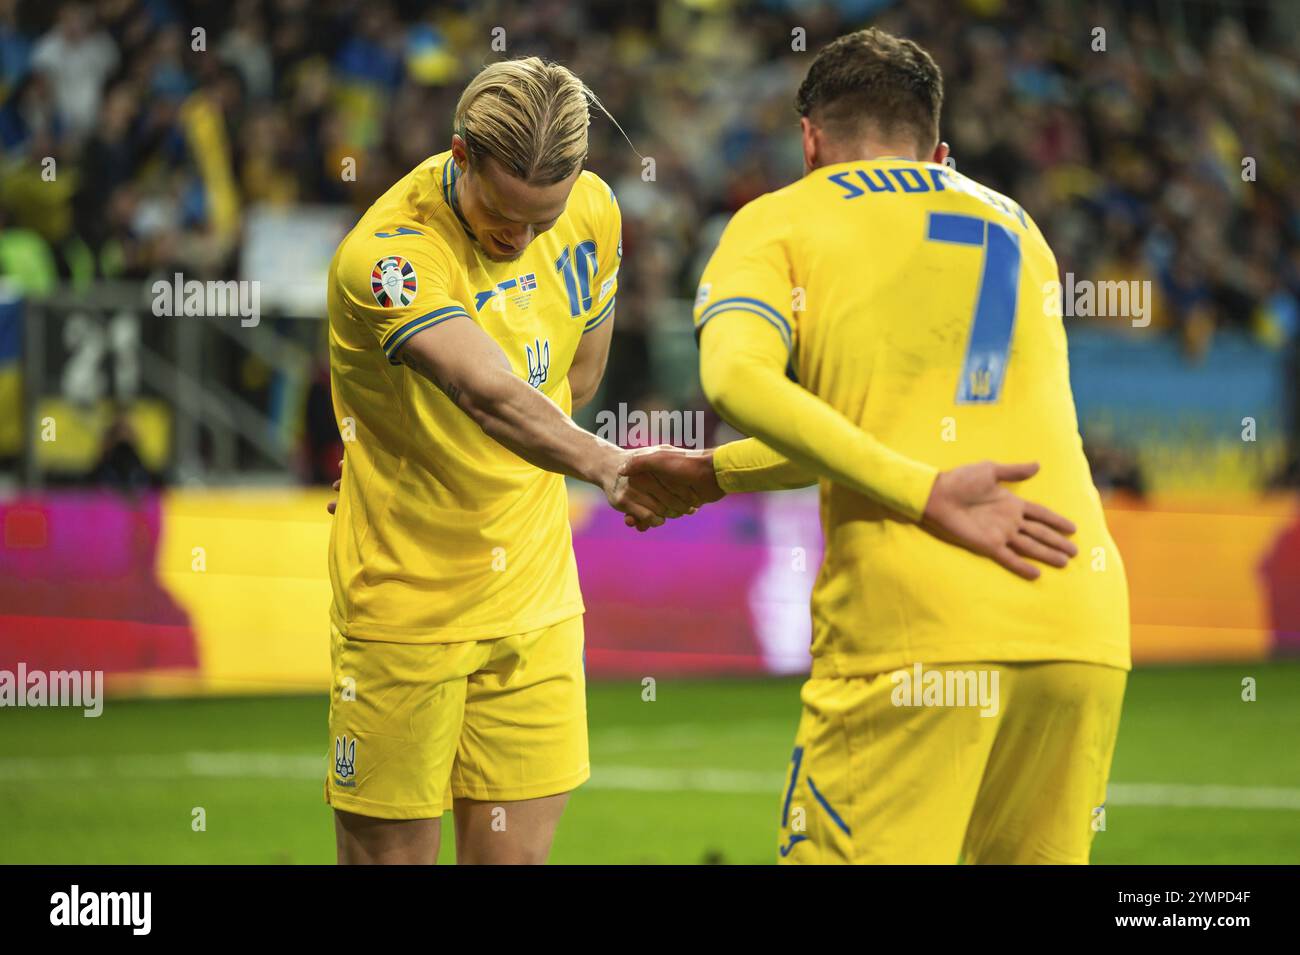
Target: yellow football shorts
<point x="416" y="725"/>
<point x="999" y="763"/>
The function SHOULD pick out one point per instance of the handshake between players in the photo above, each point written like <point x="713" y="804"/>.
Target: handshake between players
<point x="969" y="506"/>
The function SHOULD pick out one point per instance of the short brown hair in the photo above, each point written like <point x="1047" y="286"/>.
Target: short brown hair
<point x="874" y="77"/>
<point x="529" y="115"/>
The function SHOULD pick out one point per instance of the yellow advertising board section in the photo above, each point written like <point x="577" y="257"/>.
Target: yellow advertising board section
<point x="248" y="567"/>
<point x="1198" y="585"/>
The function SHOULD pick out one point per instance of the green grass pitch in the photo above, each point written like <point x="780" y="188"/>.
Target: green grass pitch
<point x="695" y="776"/>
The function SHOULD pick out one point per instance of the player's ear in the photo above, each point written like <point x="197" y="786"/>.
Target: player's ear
<point x="809" y="144"/>
<point x="940" y="153"/>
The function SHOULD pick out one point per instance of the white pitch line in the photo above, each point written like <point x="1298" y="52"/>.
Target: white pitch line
<point x="1172" y="795"/>
<point x="189" y="765"/>
<point x="1208" y="796"/>
<point x="304" y="766"/>
<point x="654" y="779"/>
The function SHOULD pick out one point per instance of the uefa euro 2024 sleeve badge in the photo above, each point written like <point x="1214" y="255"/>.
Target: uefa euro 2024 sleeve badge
<point x="393" y="281"/>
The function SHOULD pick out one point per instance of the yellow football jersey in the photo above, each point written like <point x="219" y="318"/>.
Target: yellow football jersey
<point x="918" y="304"/>
<point x="442" y="534"/>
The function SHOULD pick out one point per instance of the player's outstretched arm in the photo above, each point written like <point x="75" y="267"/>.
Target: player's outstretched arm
<point x="702" y="477"/>
<point x="750" y="465"/>
<point x="743" y="373"/>
<point x="968" y="506"/>
<point x="472" y="370"/>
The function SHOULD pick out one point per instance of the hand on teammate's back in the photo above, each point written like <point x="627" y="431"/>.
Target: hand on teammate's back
<point x="970" y="507"/>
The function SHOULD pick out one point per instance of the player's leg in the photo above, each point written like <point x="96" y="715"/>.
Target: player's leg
<point x="510" y="832"/>
<point x="366" y="840"/>
<point x="874" y="781"/>
<point x="395" y="720"/>
<point x="523" y="746"/>
<point x="1044" y="791"/>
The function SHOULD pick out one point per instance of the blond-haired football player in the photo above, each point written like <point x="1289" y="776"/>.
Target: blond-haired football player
<point x="469" y="312"/>
<point x="953" y="709"/>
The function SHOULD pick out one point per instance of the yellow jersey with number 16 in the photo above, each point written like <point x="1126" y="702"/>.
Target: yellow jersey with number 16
<point x="441" y="534"/>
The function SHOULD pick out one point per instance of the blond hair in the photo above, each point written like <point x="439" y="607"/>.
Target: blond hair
<point x="530" y="116"/>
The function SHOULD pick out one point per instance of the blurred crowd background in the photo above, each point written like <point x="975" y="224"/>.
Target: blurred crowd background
<point x="1161" y="155"/>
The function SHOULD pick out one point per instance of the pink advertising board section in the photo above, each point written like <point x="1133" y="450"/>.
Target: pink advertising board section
<point x="78" y="588"/>
<point x="723" y="591"/>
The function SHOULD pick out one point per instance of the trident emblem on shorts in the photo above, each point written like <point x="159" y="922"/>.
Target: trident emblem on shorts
<point x="345" y="758"/>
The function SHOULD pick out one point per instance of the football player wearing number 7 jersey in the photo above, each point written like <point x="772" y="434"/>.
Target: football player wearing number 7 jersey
<point x="954" y="709"/>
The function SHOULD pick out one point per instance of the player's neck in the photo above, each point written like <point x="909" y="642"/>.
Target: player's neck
<point x="867" y="150"/>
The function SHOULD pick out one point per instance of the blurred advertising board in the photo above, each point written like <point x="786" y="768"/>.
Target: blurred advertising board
<point x="226" y="592"/>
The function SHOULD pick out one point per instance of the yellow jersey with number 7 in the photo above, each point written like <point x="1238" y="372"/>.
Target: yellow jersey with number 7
<point x="918" y="303"/>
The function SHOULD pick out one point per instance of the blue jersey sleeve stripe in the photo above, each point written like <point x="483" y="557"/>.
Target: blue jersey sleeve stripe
<point x="400" y="340"/>
<point x="400" y="335"/>
<point x="758" y="303"/>
<point x="724" y="303"/>
<point x="599" y="320"/>
<point x="436" y="313"/>
<point x="782" y="327"/>
<point x="391" y="350"/>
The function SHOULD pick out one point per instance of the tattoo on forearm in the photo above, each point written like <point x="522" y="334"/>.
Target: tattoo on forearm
<point x="413" y="361"/>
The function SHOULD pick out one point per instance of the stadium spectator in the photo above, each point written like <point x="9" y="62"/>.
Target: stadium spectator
<point x="78" y="57"/>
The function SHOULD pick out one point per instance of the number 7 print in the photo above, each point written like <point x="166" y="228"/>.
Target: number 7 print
<point x="985" y="365"/>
